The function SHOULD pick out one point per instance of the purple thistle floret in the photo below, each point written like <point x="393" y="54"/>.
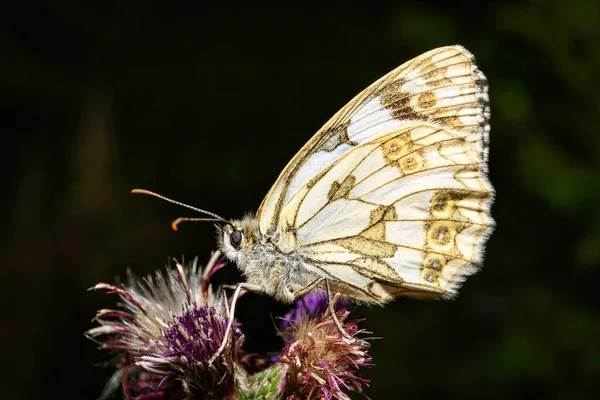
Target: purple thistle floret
<point x="185" y="348"/>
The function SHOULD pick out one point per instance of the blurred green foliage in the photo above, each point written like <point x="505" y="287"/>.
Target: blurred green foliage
<point x="207" y="104"/>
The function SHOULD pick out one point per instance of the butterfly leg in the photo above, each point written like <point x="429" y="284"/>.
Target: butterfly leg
<point x="305" y="306"/>
<point x="301" y="292"/>
<point x="331" y="309"/>
<point x="231" y="313"/>
<point x="308" y="288"/>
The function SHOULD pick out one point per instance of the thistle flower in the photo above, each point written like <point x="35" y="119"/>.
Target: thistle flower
<point x="319" y="362"/>
<point x="167" y="328"/>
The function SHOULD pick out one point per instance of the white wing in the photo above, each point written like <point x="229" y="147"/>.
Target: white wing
<point x="391" y="196"/>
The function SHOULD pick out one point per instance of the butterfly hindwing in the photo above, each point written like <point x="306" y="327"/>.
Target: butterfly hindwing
<point x="391" y="196"/>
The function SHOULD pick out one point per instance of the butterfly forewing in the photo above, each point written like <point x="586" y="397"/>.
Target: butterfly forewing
<point x="391" y="196"/>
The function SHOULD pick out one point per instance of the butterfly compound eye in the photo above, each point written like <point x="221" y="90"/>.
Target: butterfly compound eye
<point x="236" y="239"/>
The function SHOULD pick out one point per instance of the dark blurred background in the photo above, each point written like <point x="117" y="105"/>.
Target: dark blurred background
<point x="207" y="104"/>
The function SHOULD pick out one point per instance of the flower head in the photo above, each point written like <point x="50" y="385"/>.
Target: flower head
<point x="168" y="327"/>
<point x="319" y="361"/>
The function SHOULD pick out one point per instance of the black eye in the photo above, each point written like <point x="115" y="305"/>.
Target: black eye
<point x="236" y="239"/>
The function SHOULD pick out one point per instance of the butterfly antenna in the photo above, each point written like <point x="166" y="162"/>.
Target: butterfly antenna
<point x="215" y="217"/>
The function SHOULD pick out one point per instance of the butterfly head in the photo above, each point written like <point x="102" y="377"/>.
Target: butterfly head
<point x="237" y="238"/>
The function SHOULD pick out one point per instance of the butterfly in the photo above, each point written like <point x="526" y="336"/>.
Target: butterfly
<point x="389" y="198"/>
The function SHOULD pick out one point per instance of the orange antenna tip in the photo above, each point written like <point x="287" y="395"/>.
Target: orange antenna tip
<point x="175" y="223"/>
